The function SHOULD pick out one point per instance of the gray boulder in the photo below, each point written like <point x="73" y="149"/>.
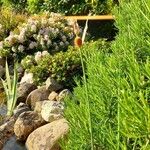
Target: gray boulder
<point x="22" y="107"/>
<point x="38" y="107"/>
<point x="2" y="61"/>
<point x="6" y="131"/>
<point x="47" y="136"/>
<point x="53" y="85"/>
<point x="2" y="71"/>
<point x="24" y="90"/>
<point x="52" y="110"/>
<point x="64" y="93"/>
<point x="40" y="94"/>
<point x="27" y="77"/>
<point x="26" y="123"/>
<point x="53" y="96"/>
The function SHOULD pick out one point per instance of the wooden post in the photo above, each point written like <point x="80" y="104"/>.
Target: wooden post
<point x="100" y="17"/>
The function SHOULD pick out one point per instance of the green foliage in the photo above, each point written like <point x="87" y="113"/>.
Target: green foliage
<point x="134" y="34"/>
<point x="62" y="66"/>
<point x="34" y="5"/>
<point x="132" y="46"/>
<point x="90" y="111"/>
<point x="73" y="7"/>
<point x="10" y="87"/>
<point x="68" y="7"/>
<point x="16" y="5"/>
<point x="111" y="109"/>
<point x="9" y="20"/>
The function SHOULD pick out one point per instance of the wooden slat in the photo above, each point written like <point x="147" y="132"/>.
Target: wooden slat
<point x="100" y="17"/>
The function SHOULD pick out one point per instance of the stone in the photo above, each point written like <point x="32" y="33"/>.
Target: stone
<point x="53" y="85"/>
<point x="26" y="123"/>
<point x="3" y="110"/>
<point x="28" y="77"/>
<point x="53" y="96"/>
<point x="64" y="93"/>
<point x="47" y="136"/>
<point x="24" y="90"/>
<point x="2" y="71"/>
<point x="38" y="107"/>
<point x="11" y="69"/>
<point x="2" y="61"/>
<point x="20" y="71"/>
<point x="13" y="144"/>
<point x="22" y="107"/>
<point x="6" y="131"/>
<point x="52" y="110"/>
<point x="40" y="94"/>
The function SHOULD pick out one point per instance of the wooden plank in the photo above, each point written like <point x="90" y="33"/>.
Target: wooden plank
<point x="100" y="17"/>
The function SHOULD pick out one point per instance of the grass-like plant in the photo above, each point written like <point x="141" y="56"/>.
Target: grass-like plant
<point x="117" y="88"/>
<point x="10" y="87"/>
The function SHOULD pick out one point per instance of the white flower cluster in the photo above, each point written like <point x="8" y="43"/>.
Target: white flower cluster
<point x="51" y="33"/>
<point x="40" y="55"/>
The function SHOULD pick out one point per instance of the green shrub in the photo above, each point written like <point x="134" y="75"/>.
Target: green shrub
<point x="111" y="109"/>
<point x="9" y="20"/>
<point x="68" y="7"/>
<point x="16" y="5"/>
<point x="50" y="32"/>
<point x="62" y="66"/>
<point x="34" y="6"/>
<point x="73" y="7"/>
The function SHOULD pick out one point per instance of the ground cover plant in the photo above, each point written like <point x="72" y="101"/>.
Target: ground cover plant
<point x="110" y="110"/>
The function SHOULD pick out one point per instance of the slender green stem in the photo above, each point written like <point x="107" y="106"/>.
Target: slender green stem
<point x="87" y="100"/>
<point x="118" y="134"/>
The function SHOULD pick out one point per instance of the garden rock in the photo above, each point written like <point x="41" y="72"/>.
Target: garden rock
<point x="24" y="90"/>
<point x="53" y="96"/>
<point x="2" y="61"/>
<point x="53" y="85"/>
<point x="38" y="107"/>
<point x="13" y="144"/>
<point x="11" y="69"/>
<point x="20" y="71"/>
<point x="6" y="131"/>
<point x="22" y="107"/>
<point x="47" y="136"/>
<point x="40" y="94"/>
<point x="28" y="77"/>
<point x="64" y="93"/>
<point x="2" y="71"/>
<point x="3" y="110"/>
<point x="26" y="123"/>
<point x="52" y="110"/>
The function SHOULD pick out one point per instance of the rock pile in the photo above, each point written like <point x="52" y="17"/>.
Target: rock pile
<point x="38" y="119"/>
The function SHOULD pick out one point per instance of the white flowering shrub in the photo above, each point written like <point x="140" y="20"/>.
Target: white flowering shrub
<point x="63" y="66"/>
<point x="50" y="32"/>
